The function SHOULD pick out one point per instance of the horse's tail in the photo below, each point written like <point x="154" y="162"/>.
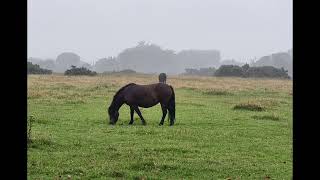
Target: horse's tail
<point x="172" y="108"/>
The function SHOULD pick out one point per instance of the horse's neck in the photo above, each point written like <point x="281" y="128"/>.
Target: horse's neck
<point x="118" y="102"/>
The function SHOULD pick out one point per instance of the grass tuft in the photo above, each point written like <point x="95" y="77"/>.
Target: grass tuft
<point x="249" y="107"/>
<point x="117" y="174"/>
<point x="217" y="92"/>
<point x="266" y="117"/>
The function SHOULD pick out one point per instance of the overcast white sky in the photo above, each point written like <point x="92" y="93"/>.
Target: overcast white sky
<point x="94" y="29"/>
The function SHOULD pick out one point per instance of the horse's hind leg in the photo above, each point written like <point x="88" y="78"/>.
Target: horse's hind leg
<point x="131" y="115"/>
<point x="164" y="113"/>
<point x="139" y="113"/>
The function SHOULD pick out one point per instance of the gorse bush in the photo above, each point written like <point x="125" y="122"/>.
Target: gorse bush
<point x="229" y="70"/>
<point x="267" y="71"/>
<point x="35" y="69"/>
<point x="256" y="72"/>
<point x="79" y="71"/>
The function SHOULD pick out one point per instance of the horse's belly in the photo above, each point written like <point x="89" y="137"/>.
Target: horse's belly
<point x="147" y="105"/>
<point x="141" y="99"/>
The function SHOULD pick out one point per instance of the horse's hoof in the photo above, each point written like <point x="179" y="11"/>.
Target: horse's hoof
<point x="160" y="124"/>
<point x="144" y="124"/>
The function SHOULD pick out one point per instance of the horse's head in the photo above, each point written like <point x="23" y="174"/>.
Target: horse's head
<point x="113" y="115"/>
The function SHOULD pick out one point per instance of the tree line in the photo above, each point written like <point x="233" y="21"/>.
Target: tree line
<point x="151" y="58"/>
<point x="244" y="71"/>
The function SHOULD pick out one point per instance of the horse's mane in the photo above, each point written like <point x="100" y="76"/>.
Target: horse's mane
<point x="117" y="93"/>
<point x="121" y="89"/>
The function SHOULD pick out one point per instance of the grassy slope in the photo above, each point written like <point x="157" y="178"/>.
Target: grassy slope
<point x="210" y="140"/>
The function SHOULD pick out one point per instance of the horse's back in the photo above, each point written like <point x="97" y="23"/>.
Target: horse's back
<point x="148" y="95"/>
<point x="163" y="91"/>
<point x="157" y="87"/>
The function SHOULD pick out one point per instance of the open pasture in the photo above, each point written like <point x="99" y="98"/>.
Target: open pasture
<point x="225" y="128"/>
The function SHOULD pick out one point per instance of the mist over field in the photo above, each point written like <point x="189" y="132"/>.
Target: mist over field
<point x="159" y="36"/>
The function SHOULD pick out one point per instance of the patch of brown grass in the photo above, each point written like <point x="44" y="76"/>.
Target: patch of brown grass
<point x="60" y="85"/>
<point x="198" y="82"/>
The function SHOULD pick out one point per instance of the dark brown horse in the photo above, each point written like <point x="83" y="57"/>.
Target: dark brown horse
<point x="162" y="77"/>
<point x="145" y="96"/>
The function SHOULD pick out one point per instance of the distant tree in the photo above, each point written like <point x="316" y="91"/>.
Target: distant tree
<point x="191" y="71"/>
<point x="231" y="62"/>
<point x="35" y="69"/>
<point x="141" y="43"/>
<point x="106" y="64"/>
<point x="207" y="71"/>
<point x="245" y="67"/>
<point x="197" y="59"/>
<point x="151" y="58"/>
<point x="65" y="60"/>
<point x="34" y="60"/>
<point x="44" y="64"/>
<point x="47" y="64"/>
<point x="85" y="65"/>
<point x="148" y="58"/>
<point x="201" y="72"/>
<point x="277" y="60"/>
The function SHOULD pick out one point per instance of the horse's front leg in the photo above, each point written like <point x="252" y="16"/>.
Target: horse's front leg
<point x="131" y="115"/>
<point x="136" y="108"/>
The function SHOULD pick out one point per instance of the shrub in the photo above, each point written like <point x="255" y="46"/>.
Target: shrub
<point x="79" y="71"/>
<point x="35" y="69"/>
<point x="249" y="106"/>
<point x="267" y="71"/>
<point x="229" y="70"/>
<point x="256" y="72"/>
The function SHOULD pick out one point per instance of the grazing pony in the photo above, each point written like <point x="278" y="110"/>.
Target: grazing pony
<point x="145" y="96"/>
<point x="162" y="78"/>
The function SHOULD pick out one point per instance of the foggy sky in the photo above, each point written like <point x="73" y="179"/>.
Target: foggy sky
<point x="94" y="29"/>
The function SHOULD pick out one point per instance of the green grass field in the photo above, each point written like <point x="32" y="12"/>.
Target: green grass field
<point x="226" y="128"/>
